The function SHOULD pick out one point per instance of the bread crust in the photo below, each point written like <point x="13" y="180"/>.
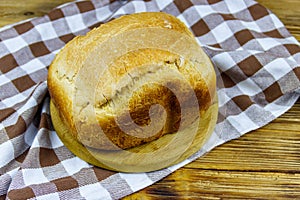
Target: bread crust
<point x="133" y="92"/>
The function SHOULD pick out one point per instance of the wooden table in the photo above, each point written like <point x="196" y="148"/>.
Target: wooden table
<point x="262" y="164"/>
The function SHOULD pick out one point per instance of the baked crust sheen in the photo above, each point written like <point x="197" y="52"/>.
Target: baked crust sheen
<point x="138" y="91"/>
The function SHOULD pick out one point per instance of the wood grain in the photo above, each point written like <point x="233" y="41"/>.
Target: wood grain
<point x="18" y="10"/>
<point x="263" y="164"/>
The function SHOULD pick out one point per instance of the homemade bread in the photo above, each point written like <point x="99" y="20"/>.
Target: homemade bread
<point x="104" y="89"/>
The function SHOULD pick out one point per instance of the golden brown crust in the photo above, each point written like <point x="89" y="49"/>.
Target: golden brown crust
<point x="133" y="84"/>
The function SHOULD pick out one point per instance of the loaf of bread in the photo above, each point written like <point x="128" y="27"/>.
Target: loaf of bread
<point x="104" y="84"/>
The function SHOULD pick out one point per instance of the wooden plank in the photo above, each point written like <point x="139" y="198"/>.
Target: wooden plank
<point x="15" y="11"/>
<point x="209" y="184"/>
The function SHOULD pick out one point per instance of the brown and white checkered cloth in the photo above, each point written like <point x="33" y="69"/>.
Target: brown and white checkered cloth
<point x="256" y="59"/>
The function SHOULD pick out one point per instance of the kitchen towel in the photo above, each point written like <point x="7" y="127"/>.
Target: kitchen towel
<point x="256" y="59"/>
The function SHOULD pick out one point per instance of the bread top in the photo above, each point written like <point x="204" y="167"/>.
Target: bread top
<point x="86" y="98"/>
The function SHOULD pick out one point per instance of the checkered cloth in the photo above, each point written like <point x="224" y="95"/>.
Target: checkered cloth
<point x="256" y="59"/>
